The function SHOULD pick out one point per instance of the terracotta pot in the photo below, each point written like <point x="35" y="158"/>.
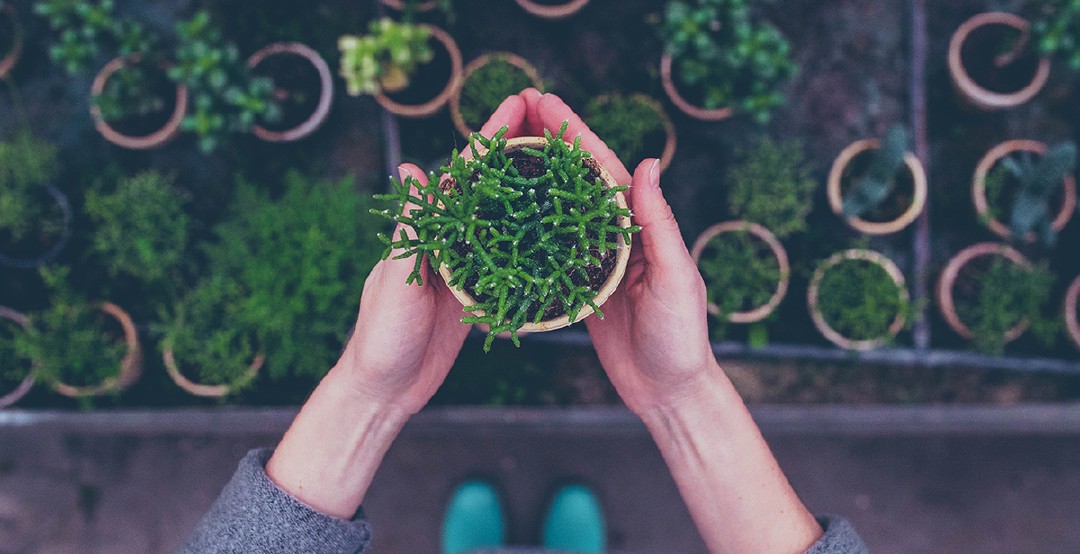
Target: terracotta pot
<point x="130" y="366"/>
<point x="812" y="296"/>
<point x="696" y="112"/>
<point x="973" y="93"/>
<point x="55" y="249"/>
<point x="552" y="11"/>
<point x="326" y="90"/>
<point x="8" y="398"/>
<point x="472" y="67"/>
<point x="978" y="188"/>
<point x="153" y="140"/>
<point x="613" y="280"/>
<point x="761" y="233"/>
<point x="431" y="106"/>
<point x="208" y="391"/>
<point x="7" y="63"/>
<point x="399" y="5"/>
<point x="835" y="193"/>
<point x="945" y="300"/>
<point x="1072" y="305"/>
<point x="670" y="136"/>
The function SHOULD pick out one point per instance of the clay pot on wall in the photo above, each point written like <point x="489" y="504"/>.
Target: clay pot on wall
<point x="813" y="299"/>
<point x="208" y="391"/>
<point x="1072" y="307"/>
<point x="434" y="104"/>
<point x="670" y="135"/>
<point x="548" y="10"/>
<point x="987" y="79"/>
<point x="982" y="204"/>
<point x="684" y="105"/>
<point x="157" y="136"/>
<point x="312" y="73"/>
<point x="130" y="366"/>
<point x="11" y="52"/>
<point x="946" y="293"/>
<point x="838" y="181"/>
<point x="777" y="251"/>
<point x="10" y="397"/>
<point x="513" y="59"/>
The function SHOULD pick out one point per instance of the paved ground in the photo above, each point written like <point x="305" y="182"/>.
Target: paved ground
<point x="139" y="484"/>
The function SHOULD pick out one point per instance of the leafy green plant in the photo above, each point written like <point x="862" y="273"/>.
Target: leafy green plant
<point x="13" y="366"/>
<point x="740" y="272"/>
<point x="624" y="123"/>
<point x="523" y="234"/>
<point x="140" y="228"/>
<point x="772" y="185"/>
<point x="385" y="58"/>
<point x="877" y="182"/>
<point x="487" y="87"/>
<point x="225" y="97"/>
<point x="736" y="61"/>
<point x="859" y="300"/>
<point x="87" y="28"/>
<point x="1056" y="29"/>
<point x="26" y="166"/>
<point x="300" y="262"/>
<point x="1004" y="295"/>
<point x="1038" y="182"/>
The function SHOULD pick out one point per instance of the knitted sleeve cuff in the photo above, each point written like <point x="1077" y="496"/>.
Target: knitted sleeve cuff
<point x="839" y="538"/>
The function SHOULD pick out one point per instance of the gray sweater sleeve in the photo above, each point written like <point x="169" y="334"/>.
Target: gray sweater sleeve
<point x="254" y="515"/>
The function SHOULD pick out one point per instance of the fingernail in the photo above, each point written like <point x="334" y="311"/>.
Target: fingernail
<point x="654" y="174"/>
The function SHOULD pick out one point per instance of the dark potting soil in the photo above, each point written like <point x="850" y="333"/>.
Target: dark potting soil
<point x="981" y="54"/>
<point x="296" y="88"/>
<point x="426" y="80"/>
<point x="156" y="109"/>
<point x="894" y="205"/>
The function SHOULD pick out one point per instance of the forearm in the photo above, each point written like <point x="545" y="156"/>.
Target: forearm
<point x="737" y="495"/>
<point x="329" y="455"/>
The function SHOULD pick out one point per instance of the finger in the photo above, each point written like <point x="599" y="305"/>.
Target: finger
<point x="661" y="241"/>
<point x="533" y="127"/>
<point x="553" y="112"/>
<point x="511" y="113"/>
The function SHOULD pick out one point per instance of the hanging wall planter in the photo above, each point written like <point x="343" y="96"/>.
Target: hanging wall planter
<point x="11" y="395"/>
<point x="858" y="300"/>
<point x="556" y="9"/>
<point x="485" y="83"/>
<point x="11" y="52"/>
<point x="27" y="254"/>
<point x="635" y="126"/>
<point x="140" y="131"/>
<point x="751" y="288"/>
<point x="986" y="76"/>
<point x="406" y="102"/>
<point x="296" y="71"/>
<point x="953" y="284"/>
<point x="130" y="367"/>
<point x="903" y="205"/>
<point x="992" y="211"/>
<point x="1072" y="311"/>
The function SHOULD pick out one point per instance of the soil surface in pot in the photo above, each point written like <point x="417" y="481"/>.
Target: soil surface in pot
<point x="147" y="106"/>
<point x="296" y="88"/>
<point x="896" y="203"/>
<point x="44" y="232"/>
<point x="983" y="52"/>
<point x="427" y="80"/>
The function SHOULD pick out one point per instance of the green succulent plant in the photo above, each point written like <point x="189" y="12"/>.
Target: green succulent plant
<point x="1003" y="296"/>
<point x="740" y="272"/>
<point x="874" y="185"/>
<point x="859" y="300"/>
<point x="1038" y="182"/>
<point x="27" y="164"/>
<point x="522" y="245"/>
<point x="772" y="184"/>
<point x="625" y="123"/>
<point x="1056" y="29"/>
<point x="385" y="58"/>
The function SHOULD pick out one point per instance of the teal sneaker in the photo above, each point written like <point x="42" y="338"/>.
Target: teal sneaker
<point x="575" y="522"/>
<point x="474" y="519"/>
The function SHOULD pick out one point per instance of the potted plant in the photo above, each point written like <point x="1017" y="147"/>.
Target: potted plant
<point x="226" y="97"/>
<point x="1056" y="30"/>
<point x="745" y="269"/>
<point x="80" y="348"/>
<point x="135" y="105"/>
<point x="858" y="300"/>
<point x="16" y="371"/>
<point x="1009" y="183"/>
<point x="397" y="65"/>
<point x="635" y="126"/>
<point x="10" y="26"/>
<point x="993" y="63"/>
<point x="878" y="187"/>
<point x="530" y="234"/>
<point x="303" y="89"/>
<point x="485" y="83"/>
<point x="35" y="217"/>
<point x="1072" y="307"/>
<point x="719" y="60"/>
<point x="85" y="29"/>
<point x="552" y="9"/>
<point x="213" y="340"/>
<point x="990" y="293"/>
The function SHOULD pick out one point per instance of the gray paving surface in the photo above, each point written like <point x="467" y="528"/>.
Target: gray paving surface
<point x="128" y="488"/>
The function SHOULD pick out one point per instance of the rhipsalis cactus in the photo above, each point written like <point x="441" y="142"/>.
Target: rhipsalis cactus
<point x="878" y="181"/>
<point x="530" y="235"/>
<point x="1039" y="180"/>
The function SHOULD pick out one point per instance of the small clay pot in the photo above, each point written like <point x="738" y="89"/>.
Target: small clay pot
<point x="613" y="280"/>
<point x="54" y="250"/>
<point x="326" y="90"/>
<point x="684" y="105"/>
<point x="835" y="193"/>
<point x="431" y="106"/>
<point x="761" y="233"/>
<point x="7" y="63"/>
<point x="472" y="67"/>
<point x="156" y="139"/>
<point x="812" y="296"/>
<point x="130" y="366"/>
<point x="978" y="188"/>
<point x="670" y="136"/>
<point x="208" y="391"/>
<point x="8" y="398"/>
<point x="946" y="302"/>
<point x="1072" y="304"/>
<point x="975" y="94"/>
<point x="552" y="11"/>
<point x="399" y="5"/>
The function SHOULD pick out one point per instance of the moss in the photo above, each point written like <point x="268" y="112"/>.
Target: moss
<point x="625" y="123"/>
<point x="487" y="87"/>
<point x="859" y="300"/>
<point x="740" y="272"/>
<point x="1003" y="295"/>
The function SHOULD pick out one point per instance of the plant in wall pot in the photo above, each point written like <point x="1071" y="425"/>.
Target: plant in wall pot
<point x="303" y="89"/>
<point x="16" y="371"/>
<point x="1056" y="29"/>
<point x="85" y="30"/>
<point x="1023" y="180"/>
<point x="1072" y="311"/>
<point x="531" y="234"/>
<point x="858" y="300"/>
<point x="719" y="60"/>
<point x="993" y="64"/>
<point x="485" y="83"/>
<point x="396" y="63"/>
<point x="878" y="187"/>
<point x="35" y="217"/>
<point x="635" y="126"/>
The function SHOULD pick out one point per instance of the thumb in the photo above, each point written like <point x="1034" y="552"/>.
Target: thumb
<point x="660" y="238"/>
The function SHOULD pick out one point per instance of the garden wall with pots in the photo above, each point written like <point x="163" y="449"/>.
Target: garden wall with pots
<point x="872" y="225"/>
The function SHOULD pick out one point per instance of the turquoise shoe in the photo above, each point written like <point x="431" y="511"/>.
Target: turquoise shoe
<point x="575" y="522"/>
<point x="474" y="519"/>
